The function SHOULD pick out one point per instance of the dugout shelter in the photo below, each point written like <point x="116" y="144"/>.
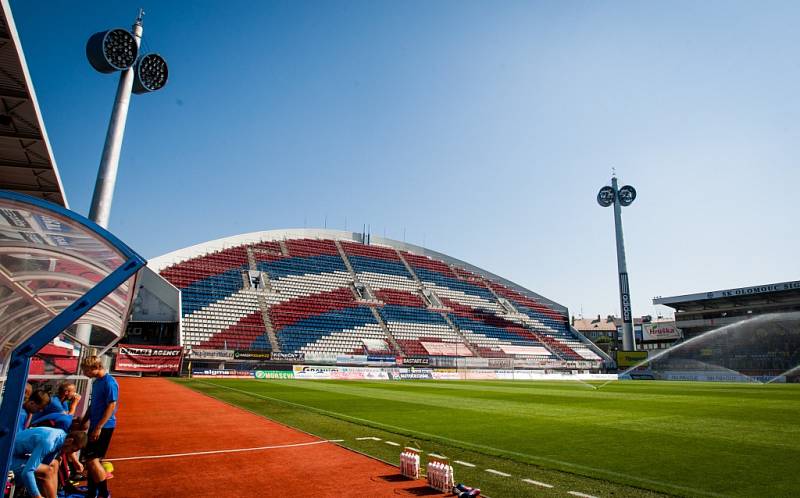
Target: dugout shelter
<point x="57" y="268"/>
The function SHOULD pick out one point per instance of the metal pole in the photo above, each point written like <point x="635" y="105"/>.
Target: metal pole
<point x="107" y="176"/>
<point x="624" y="289"/>
<point x="100" y="210"/>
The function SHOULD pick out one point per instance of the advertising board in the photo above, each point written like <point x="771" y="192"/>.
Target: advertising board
<point x="160" y="359"/>
<point x="413" y="361"/>
<point x="210" y="354"/>
<point x="660" y="331"/>
<point x="274" y="374"/>
<point x="278" y="356"/>
<point x="225" y="373"/>
<point x="627" y="359"/>
<point x="246" y="354"/>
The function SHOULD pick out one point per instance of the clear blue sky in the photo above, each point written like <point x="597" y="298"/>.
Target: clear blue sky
<point x="483" y="128"/>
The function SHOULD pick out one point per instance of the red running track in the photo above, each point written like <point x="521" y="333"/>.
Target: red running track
<point x="159" y="417"/>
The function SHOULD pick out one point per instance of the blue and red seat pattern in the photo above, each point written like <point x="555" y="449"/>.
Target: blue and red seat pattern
<point x="312" y="305"/>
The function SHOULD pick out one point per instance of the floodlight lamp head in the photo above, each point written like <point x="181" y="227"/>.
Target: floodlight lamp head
<point x="112" y="50"/>
<point x="627" y="195"/>
<point x="150" y="74"/>
<point x="605" y="197"/>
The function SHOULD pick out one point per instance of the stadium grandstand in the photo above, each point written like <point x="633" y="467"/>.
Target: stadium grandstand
<point x="325" y="296"/>
<point x="768" y="348"/>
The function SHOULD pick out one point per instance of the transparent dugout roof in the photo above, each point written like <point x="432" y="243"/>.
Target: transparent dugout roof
<point x="48" y="260"/>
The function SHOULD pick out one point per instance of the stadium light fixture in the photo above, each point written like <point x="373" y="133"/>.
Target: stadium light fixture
<point x="619" y="197"/>
<point x="110" y="51"/>
<point x="150" y="74"/>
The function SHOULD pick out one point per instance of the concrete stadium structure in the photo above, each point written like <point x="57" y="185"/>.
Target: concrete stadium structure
<point x="326" y="294"/>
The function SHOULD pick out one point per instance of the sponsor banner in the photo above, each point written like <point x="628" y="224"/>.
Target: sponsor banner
<point x="443" y="361"/>
<point x="759" y="289"/>
<point x="526" y="350"/>
<point x="415" y="360"/>
<point x="472" y="362"/>
<point x="313" y="372"/>
<point x="277" y="356"/>
<point x="446" y="349"/>
<point x="321" y="358"/>
<point x="625" y="299"/>
<point x="351" y="359"/>
<point x="347" y="373"/>
<point x="149" y="359"/>
<point x="627" y="359"/>
<point x="274" y="374"/>
<point x="239" y="354"/>
<point x="231" y="374"/>
<point x="480" y="374"/>
<point x="382" y="360"/>
<point x="418" y="374"/>
<point x="501" y="363"/>
<point x="442" y="374"/>
<point x="210" y="354"/>
<point x="660" y="331"/>
<point x="705" y="376"/>
<point x="375" y="374"/>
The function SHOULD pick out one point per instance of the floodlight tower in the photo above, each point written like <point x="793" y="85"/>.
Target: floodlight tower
<point x="118" y="50"/>
<point x="620" y="197"/>
<point x="109" y="51"/>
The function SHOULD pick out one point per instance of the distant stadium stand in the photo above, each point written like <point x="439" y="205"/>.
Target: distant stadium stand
<point x="326" y="292"/>
<point x="769" y="347"/>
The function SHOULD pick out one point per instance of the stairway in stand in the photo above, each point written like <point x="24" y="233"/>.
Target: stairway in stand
<point x="262" y="302"/>
<point x="457" y="330"/>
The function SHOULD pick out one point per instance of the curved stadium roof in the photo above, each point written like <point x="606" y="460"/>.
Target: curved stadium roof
<point x="159" y="263"/>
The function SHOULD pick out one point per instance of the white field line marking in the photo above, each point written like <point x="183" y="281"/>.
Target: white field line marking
<point x="466" y="464"/>
<point x="335" y="440"/>
<point x="466" y="444"/>
<point x="497" y="472"/>
<point x="435" y="455"/>
<point x="372" y="438"/>
<point x="214" y="452"/>
<point x="392" y="443"/>
<point x="582" y="495"/>
<point x="415" y="449"/>
<point x="537" y="483"/>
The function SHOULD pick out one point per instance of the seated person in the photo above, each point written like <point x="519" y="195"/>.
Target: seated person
<point x="34" y="456"/>
<point x="36" y="404"/>
<point x="68" y="397"/>
<point x="24" y="416"/>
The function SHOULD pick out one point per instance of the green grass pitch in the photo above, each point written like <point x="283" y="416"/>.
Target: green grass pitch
<point x="626" y="439"/>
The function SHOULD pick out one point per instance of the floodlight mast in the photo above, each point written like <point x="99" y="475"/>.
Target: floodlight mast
<point x="621" y="197"/>
<point x="109" y="51"/>
<point x="107" y="175"/>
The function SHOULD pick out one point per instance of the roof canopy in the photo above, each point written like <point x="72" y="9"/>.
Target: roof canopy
<point x="26" y="159"/>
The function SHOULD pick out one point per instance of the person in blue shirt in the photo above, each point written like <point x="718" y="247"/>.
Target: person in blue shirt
<point x="68" y="397"/>
<point x="34" y="456"/>
<point x="53" y="406"/>
<point x="22" y="422"/>
<point x="35" y="404"/>
<point x="102" y="421"/>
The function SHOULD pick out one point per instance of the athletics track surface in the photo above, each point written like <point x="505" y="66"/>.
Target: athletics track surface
<point x="158" y="417"/>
